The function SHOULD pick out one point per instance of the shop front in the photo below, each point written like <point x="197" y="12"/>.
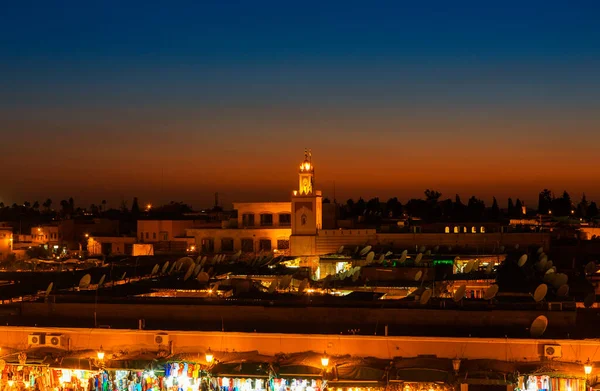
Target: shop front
<point x="298" y="378"/>
<point x="245" y="376"/>
<point x="20" y="377"/>
<point x="359" y="377"/>
<point x="183" y="376"/>
<point x="550" y="382"/>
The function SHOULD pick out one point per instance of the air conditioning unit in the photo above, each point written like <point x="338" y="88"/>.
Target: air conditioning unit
<point x="56" y="341"/>
<point x="552" y="351"/>
<point x="36" y="339"/>
<point x="161" y="339"/>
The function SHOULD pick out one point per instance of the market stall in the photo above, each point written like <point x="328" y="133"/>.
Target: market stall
<point x="245" y="376"/>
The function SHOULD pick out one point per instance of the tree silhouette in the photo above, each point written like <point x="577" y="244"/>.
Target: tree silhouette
<point x="582" y="207"/>
<point x="544" y="201"/>
<point x="135" y="208"/>
<point x="592" y="210"/>
<point x="47" y="204"/>
<point x="495" y="211"/>
<point x="518" y="208"/>
<point x="511" y="208"/>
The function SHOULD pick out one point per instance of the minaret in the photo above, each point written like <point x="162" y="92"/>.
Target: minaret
<point x="307" y="210"/>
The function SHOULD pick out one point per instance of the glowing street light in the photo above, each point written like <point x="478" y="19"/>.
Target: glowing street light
<point x="587" y="368"/>
<point x="325" y="360"/>
<point x="209" y="356"/>
<point x="100" y="354"/>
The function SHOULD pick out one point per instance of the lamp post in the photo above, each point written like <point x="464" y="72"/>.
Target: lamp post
<point x="325" y="360"/>
<point x="100" y="354"/>
<point x="456" y="365"/>
<point x="209" y="356"/>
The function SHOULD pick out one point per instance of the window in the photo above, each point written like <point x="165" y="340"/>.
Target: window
<point x="248" y="220"/>
<point x="226" y="244"/>
<point x="208" y="245"/>
<point x="141" y="235"/>
<point x="266" y="220"/>
<point x="456" y="230"/>
<point x="248" y="245"/>
<point x="265" y="245"/>
<point x="283" y="244"/>
<point x="447" y="230"/>
<point x="465" y="229"/>
<point x="473" y="230"/>
<point x="482" y="230"/>
<point x="154" y="235"/>
<point x="303" y="219"/>
<point x="164" y="236"/>
<point x="147" y="235"/>
<point x="285" y="219"/>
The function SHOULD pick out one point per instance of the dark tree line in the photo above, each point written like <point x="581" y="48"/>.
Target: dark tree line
<point x="433" y="208"/>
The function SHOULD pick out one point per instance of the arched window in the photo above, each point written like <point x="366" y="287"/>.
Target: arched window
<point x="473" y="230"/>
<point x="447" y="230"/>
<point x="456" y="230"/>
<point x="465" y="229"/>
<point x="482" y="229"/>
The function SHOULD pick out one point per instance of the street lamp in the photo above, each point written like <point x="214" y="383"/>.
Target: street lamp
<point x="325" y="360"/>
<point x="209" y="356"/>
<point x="587" y="368"/>
<point x="456" y="365"/>
<point x="100" y="354"/>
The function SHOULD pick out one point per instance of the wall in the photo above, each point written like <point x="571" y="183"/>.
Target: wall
<point x="590" y="232"/>
<point x="117" y="245"/>
<point x="257" y="208"/>
<point x="256" y="234"/>
<point x="154" y="228"/>
<point x="520" y="350"/>
<point x="6" y="243"/>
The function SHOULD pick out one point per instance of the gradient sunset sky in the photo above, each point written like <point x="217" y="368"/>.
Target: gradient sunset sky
<point x="177" y="100"/>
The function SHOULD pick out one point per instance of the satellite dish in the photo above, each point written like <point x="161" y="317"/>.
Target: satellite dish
<point x="540" y="251"/>
<point x="422" y="249"/>
<point x="202" y="277"/>
<point x="418" y="258"/>
<point x="165" y="267"/>
<point x="476" y="265"/>
<point x="49" y="289"/>
<point x="491" y="292"/>
<point x="418" y="275"/>
<point x="197" y="270"/>
<point x="370" y="257"/>
<point x="538" y="326"/>
<point x="356" y="275"/>
<point x="402" y="257"/>
<point x="562" y="291"/>
<point x="590" y="268"/>
<point x="522" y="260"/>
<point x="540" y="292"/>
<point x="543" y="258"/>
<point x="302" y="285"/>
<point x="123" y="276"/>
<point x="469" y="267"/>
<point x="560" y="279"/>
<point x="172" y="269"/>
<point x="365" y="250"/>
<point x="340" y="250"/>
<point x="389" y="253"/>
<point x="428" y="252"/>
<point x="85" y="281"/>
<point x="154" y="270"/>
<point x="489" y="268"/>
<point x="189" y="272"/>
<point x="425" y="297"/>
<point x="101" y="280"/>
<point x="589" y="300"/>
<point x="273" y="286"/>
<point x="550" y="265"/>
<point x="517" y="246"/>
<point x="459" y="294"/>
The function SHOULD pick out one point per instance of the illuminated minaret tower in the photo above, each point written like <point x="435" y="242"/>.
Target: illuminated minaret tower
<point x="307" y="206"/>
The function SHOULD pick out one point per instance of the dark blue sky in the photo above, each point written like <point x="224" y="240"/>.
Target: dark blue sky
<point x="508" y="88"/>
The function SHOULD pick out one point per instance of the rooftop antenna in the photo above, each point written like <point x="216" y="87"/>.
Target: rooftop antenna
<point x="540" y="292"/>
<point x="85" y="281"/>
<point x="522" y="260"/>
<point x="563" y="291"/>
<point x="491" y="292"/>
<point x="425" y="297"/>
<point x="460" y="293"/>
<point x="538" y="326"/>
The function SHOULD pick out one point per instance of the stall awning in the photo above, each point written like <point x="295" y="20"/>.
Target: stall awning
<point x="421" y="375"/>
<point x="81" y="364"/>
<point x="296" y="371"/>
<point x="140" y="365"/>
<point x="241" y="369"/>
<point x="350" y="373"/>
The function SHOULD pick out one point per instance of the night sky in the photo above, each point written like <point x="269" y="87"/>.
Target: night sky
<point x="177" y="100"/>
